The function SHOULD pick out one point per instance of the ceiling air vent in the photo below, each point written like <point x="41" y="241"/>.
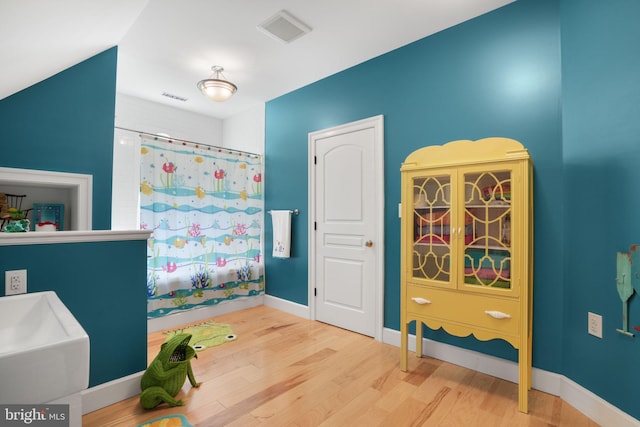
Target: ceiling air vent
<point x="284" y="27"/>
<point x="176" y="97"/>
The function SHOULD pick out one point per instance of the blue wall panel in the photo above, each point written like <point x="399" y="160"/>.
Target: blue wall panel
<point x="496" y="75"/>
<point x="601" y="141"/>
<point x="102" y="284"/>
<point x="65" y="123"/>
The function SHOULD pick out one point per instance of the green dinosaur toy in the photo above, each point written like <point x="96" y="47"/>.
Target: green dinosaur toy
<point x="166" y="375"/>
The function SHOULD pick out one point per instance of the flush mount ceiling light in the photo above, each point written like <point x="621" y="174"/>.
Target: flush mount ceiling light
<point x="216" y="88"/>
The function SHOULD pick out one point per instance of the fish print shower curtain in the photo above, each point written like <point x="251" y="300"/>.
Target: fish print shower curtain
<point x="205" y="208"/>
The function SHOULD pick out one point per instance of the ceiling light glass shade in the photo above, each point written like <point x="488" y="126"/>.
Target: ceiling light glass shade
<point x="216" y="88"/>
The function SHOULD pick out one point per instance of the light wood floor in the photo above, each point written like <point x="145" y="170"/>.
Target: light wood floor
<point x="287" y="371"/>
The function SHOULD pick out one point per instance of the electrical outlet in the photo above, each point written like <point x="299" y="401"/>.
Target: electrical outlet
<point x="594" y="326"/>
<point x="15" y="282"/>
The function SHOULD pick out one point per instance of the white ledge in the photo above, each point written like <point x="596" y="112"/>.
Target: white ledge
<point x="46" y="237"/>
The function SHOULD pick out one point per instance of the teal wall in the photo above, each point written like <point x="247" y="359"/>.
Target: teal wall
<point x="497" y="75"/>
<point x="561" y="76"/>
<point x="601" y="142"/>
<point x="65" y="123"/>
<point x="102" y="284"/>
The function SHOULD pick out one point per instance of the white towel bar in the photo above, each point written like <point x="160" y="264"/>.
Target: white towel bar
<point x="295" y="211"/>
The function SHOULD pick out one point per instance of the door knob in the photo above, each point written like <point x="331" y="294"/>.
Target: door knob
<point x="368" y="243"/>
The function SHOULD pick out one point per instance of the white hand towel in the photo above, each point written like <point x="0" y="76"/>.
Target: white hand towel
<point x="281" y="233"/>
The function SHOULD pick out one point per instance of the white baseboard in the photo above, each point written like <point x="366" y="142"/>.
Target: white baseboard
<point x="106" y="394"/>
<point x="594" y="407"/>
<point x="591" y="405"/>
<point x="195" y="315"/>
<point x="75" y="408"/>
<point x="287" y="306"/>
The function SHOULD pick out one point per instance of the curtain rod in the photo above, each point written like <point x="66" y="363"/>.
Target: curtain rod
<point x="169" y="139"/>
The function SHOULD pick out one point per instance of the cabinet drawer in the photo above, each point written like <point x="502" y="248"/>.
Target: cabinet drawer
<point x="464" y="308"/>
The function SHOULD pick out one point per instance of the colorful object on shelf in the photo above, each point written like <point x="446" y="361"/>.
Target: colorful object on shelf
<point x="625" y="288"/>
<point x="497" y="192"/>
<point x="11" y="210"/>
<point x="45" y="214"/>
<point x="491" y="258"/>
<point x="486" y="273"/>
<point x="487" y="267"/>
<point x="46" y="226"/>
<point x="17" y="226"/>
<point x="441" y="217"/>
<point x="15" y="213"/>
<point x="433" y="227"/>
<point x="437" y="217"/>
<point x="4" y="205"/>
<point x="441" y="240"/>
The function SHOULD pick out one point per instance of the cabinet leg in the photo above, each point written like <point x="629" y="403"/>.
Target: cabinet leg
<point x="404" y="346"/>
<point x="524" y="380"/>
<point x="530" y="361"/>
<point x="418" y="338"/>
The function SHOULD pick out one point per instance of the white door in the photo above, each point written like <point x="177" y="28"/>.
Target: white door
<point x="346" y="230"/>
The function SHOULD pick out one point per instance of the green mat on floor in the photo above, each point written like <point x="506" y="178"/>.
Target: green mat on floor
<point x="206" y="334"/>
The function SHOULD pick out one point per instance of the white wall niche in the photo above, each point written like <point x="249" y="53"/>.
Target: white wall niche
<point x="73" y="189"/>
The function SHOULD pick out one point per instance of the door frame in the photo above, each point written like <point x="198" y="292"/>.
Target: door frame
<point x="377" y="123"/>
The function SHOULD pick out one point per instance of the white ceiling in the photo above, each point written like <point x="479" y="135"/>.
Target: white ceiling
<point x="169" y="45"/>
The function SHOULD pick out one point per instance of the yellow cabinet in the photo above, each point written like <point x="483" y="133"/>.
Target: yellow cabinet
<point x="467" y="245"/>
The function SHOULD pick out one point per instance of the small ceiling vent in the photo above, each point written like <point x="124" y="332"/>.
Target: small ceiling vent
<point x="172" y="96"/>
<point x="284" y="27"/>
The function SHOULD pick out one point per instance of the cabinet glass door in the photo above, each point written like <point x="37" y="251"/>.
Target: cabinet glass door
<point x="487" y="228"/>
<point x="431" y="228"/>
